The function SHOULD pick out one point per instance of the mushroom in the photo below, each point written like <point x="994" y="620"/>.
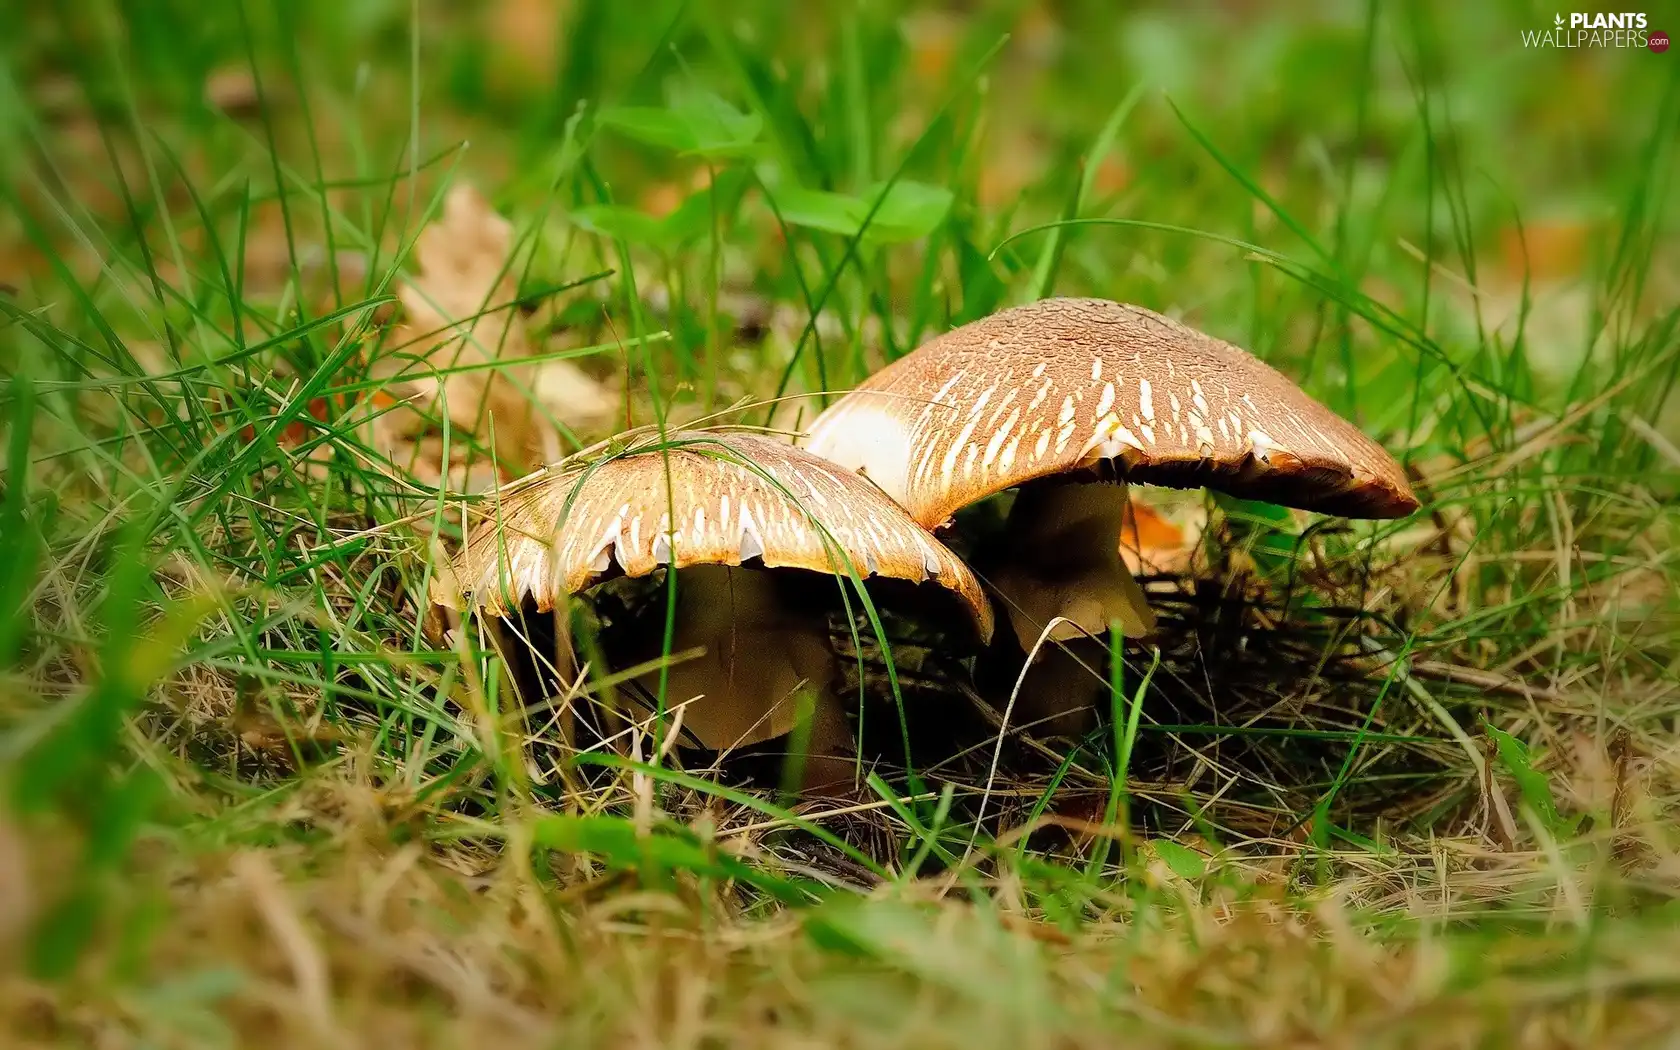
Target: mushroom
<point x="737" y="516"/>
<point x="1064" y="397"/>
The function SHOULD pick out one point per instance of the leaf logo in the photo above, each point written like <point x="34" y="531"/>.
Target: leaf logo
<point x="1557" y="20"/>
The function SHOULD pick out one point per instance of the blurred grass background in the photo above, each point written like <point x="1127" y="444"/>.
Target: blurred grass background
<point x="253" y="799"/>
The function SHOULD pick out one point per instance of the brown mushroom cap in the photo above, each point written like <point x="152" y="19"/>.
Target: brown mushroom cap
<point x="732" y="497"/>
<point x="1055" y="386"/>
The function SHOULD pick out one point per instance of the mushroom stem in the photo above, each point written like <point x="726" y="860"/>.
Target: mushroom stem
<point x="1059" y="572"/>
<point x="1062" y="562"/>
<point x="766" y="665"/>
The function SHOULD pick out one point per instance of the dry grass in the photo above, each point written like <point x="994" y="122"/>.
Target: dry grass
<point x="344" y="940"/>
<point x="1408" y="785"/>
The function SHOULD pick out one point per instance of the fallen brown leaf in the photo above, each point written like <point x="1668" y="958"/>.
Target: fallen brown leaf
<point x="16" y="893"/>
<point x="1113" y="175"/>
<point x="1153" y="542"/>
<point x="461" y="310"/>
<point x="525" y="33"/>
<point x="1543" y="251"/>
<point x="933" y="37"/>
<point x="233" y="90"/>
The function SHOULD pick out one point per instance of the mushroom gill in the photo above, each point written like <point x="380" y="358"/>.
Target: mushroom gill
<point x="733" y="515"/>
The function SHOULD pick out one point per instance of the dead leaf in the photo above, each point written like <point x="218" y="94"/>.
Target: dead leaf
<point x="16" y="894"/>
<point x="1042" y="38"/>
<point x="525" y="33"/>
<point x="1151" y="541"/>
<point x="933" y="37"/>
<point x="660" y="199"/>
<point x="461" y="310"/>
<point x="1543" y="251"/>
<point x="1013" y="163"/>
<point x="1113" y="175"/>
<point x="310" y="424"/>
<point x="233" y="90"/>
<point x="577" y="399"/>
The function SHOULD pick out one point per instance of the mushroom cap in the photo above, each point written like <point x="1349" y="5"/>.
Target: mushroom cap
<point x="731" y="496"/>
<point x="1057" y="385"/>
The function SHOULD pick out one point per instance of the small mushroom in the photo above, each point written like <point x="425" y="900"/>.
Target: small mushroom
<point x="736" y="515"/>
<point x="1064" y="397"/>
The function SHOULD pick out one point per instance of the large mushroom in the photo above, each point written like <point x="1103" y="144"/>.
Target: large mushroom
<point x="1063" y="398"/>
<point x="746" y="522"/>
